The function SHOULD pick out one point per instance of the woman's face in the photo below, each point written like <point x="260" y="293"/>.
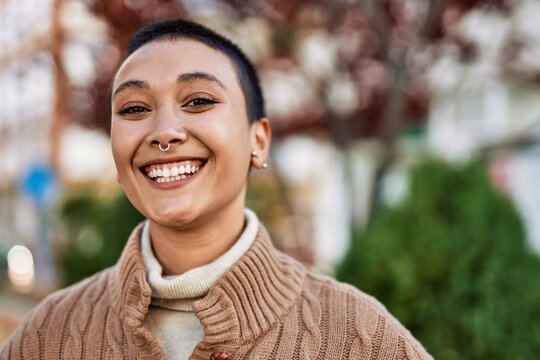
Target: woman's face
<point x="185" y="94"/>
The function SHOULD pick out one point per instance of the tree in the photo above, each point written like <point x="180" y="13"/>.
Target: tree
<point x="371" y="81"/>
<point x="451" y="263"/>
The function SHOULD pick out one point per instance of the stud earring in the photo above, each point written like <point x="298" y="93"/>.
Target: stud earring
<point x="254" y="154"/>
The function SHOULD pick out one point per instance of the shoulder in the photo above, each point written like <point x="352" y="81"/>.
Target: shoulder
<point x="60" y="314"/>
<point x="359" y="314"/>
<point x="91" y="290"/>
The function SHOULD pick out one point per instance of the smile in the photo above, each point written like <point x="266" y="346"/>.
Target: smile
<point x="167" y="172"/>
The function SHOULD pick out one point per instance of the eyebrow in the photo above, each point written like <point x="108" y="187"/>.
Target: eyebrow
<point x="183" y="78"/>
<point x="130" y="84"/>
<point x="198" y="75"/>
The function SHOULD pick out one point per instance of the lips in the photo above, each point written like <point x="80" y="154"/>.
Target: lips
<point x="167" y="172"/>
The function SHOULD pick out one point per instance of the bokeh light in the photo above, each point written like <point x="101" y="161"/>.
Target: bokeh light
<point x="21" y="270"/>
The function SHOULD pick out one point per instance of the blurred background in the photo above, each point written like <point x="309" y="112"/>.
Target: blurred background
<point x="405" y="160"/>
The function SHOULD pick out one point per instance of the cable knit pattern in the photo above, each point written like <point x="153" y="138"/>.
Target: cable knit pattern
<point x="267" y="306"/>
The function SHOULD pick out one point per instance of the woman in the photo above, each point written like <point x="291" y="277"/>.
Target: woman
<point x="200" y="278"/>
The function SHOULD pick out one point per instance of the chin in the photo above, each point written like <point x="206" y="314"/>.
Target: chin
<point x="175" y="217"/>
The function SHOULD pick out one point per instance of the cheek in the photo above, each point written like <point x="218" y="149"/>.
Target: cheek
<point x="227" y="133"/>
<point x="124" y="141"/>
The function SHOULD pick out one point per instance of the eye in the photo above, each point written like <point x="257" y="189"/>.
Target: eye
<point x="132" y="110"/>
<point x="199" y="103"/>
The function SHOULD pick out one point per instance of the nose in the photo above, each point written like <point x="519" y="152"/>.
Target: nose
<point x="167" y="131"/>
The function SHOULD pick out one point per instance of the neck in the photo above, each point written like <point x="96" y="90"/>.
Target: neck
<point x="179" y="250"/>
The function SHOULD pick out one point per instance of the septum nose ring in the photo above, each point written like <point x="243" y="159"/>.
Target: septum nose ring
<point x="164" y="149"/>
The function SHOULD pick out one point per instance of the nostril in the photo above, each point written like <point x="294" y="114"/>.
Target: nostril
<point x="174" y="141"/>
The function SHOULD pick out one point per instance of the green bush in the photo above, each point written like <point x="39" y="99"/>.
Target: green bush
<point x="97" y="231"/>
<point x="451" y="263"/>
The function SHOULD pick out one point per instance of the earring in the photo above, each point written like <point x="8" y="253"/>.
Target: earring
<point x="254" y="154"/>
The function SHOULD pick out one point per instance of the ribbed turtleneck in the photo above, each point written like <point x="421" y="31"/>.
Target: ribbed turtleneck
<point x="170" y="317"/>
<point x="195" y="283"/>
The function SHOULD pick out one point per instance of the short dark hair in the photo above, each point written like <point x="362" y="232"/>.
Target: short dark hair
<point x="170" y="30"/>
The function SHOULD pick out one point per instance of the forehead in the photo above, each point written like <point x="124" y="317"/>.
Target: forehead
<point x="162" y="60"/>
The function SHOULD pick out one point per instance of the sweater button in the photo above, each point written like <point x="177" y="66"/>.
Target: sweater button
<point x="221" y="355"/>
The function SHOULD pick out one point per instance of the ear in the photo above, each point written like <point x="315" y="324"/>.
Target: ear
<point x="261" y="135"/>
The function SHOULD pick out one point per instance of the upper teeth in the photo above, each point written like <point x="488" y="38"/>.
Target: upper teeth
<point x="172" y="171"/>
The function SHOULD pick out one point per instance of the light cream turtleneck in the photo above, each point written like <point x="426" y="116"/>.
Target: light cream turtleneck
<point x="170" y="316"/>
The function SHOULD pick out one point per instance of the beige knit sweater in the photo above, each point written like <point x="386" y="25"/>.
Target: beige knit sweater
<point x="267" y="306"/>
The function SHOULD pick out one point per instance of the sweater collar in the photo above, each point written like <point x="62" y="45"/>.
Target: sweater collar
<point x="168" y="291"/>
<point x="247" y="301"/>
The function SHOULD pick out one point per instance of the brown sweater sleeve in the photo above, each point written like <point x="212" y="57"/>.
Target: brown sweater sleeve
<point x="60" y="323"/>
<point x="381" y="335"/>
<point x="24" y="342"/>
<point x="373" y="332"/>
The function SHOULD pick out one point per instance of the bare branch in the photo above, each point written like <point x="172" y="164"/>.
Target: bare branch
<point x="380" y="26"/>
